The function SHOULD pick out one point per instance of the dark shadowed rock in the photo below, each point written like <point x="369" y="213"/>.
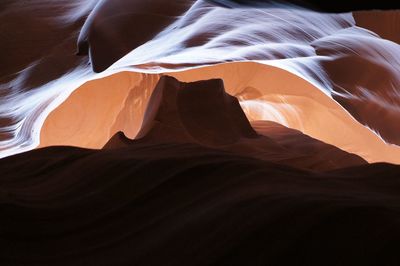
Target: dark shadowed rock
<point x="202" y="113"/>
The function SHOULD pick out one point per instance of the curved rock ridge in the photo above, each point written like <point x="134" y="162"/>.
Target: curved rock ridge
<point x="41" y="70"/>
<point x="111" y="22"/>
<point x="284" y="37"/>
<point x="92" y="114"/>
<point x="202" y="113"/>
<point x="185" y="204"/>
<point x="312" y="153"/>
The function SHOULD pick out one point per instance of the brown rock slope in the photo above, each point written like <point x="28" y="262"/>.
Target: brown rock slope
<point x="183" y="195"/>
<point x="385" y="23"/>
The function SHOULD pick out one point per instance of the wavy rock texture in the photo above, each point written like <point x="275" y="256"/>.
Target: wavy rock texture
<point x="224" y="132"/>
<point x="144" y="201"/>
<point x="319" y="48"/>
<point x="265" y="93"/>
<point x="145" y="205"/>
<point x="183" y="204"/>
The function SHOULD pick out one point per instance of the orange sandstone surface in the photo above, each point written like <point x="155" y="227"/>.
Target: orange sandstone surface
<point x="100" y="108"/>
